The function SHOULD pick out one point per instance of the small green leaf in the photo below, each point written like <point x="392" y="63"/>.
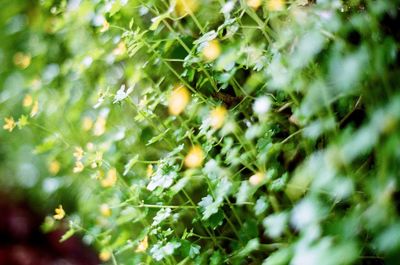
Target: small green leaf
<point x="158" y="137"/>
<point x="130" y="164"/>
<point x="68" y="234"/>
<point x="156" y="21"/>
<point x="251" y="246"/>
<point x="280" y="257"/>
<point x="45" y="146"/>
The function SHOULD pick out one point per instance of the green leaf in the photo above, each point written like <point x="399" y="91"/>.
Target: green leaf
<point x="156" y="21"/>
<point x="158" y="137"/>
<point x="215" y="220"/>
<point x="251" y="246"/>
<point x="280" y="257"/>
<point x="116" y="7"/>
<point x="68" y="234"/>
<point x="216" y="258"/>
<point x="130" y="214"/>
<point x="48" y="144"/>
<point x="130" y="164"/>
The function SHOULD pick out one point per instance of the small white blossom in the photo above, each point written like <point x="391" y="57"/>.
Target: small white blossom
<point x="262" y="105"/>
<point x="122" y="94"/>
<point x="304" y="214"/>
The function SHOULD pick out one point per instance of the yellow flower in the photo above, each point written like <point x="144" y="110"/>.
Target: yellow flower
<point x="54" y="167"/>
<point x="110" y="179"/>
<point x="35" y="108"/>
<point x="9" y="124"/>
<point x="195" y="157"/>
<point x="105" y="26"/>
<point x="78" y="154"/>
<point x="78" y="167"/>
<point x="87" y="123"/>
<point x="22" y="60"/>
<point x="275" y="5"/>
<point x="255" y="4"/>
<point x="185" y="7"/>
<point x="28" y="100"/>
<point x="217" y="117"/>
<point x="99" y="126"/>
<point x="149" y="171"/>
<point x="257" y="178"/>
<point x="105" y="210"/>
<point x="212" y="50"/>
<point x="60" y="213"/>
<point x="143" y="245"/>
<point x="105" y="255"/>
<point x="178" y="100"/>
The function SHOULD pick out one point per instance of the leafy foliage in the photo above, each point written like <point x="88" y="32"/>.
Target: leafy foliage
<point x="207" y="132"/>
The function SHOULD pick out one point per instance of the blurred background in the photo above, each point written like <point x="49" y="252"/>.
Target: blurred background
<point x="34" y="61"/>
<point x="23" y="240"/>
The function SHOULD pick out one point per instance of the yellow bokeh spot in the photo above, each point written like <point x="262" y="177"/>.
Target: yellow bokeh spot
<point x="99" y="126"/>
<point x="178" y="100"/>
<point x="35" y="108"/>
<point x="22" y="60"/>
<point x="9" y="124"/>
<point x="275" y="5"/>
<point x="105" y="255"/>
<point x="212" y="50"/>
<point x="257" y="179"/>
<point x="195" y="157"/>
<point x="185" y="7"/>
<point x="149" y="171"/>
<point x="27" y="101"/>
<point x="105" y="26"/>
<point x="59" y="213"/>
<point x="54" y="167"/>
<point x="110" y="179"/>
<point x="87" y="123"/>
<point x="217" y="117"/>
<point x="120" y="50"/>
<point x="255" y="4"/>
<point x="105" y="210"/>
<point x="143" y="245"/>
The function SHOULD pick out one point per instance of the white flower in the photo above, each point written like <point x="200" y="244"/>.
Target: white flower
<point x="262" y="105"/>
<point x="227" y="8"/>
<point x="275" y="224"/>
<point x="304" y="214"/>
<point x="122" y="94"/>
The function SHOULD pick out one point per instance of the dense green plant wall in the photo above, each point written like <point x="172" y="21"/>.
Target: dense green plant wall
<point x="207" y="132"/>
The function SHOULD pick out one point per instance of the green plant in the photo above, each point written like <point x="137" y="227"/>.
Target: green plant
<point x="208" y="132"/>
